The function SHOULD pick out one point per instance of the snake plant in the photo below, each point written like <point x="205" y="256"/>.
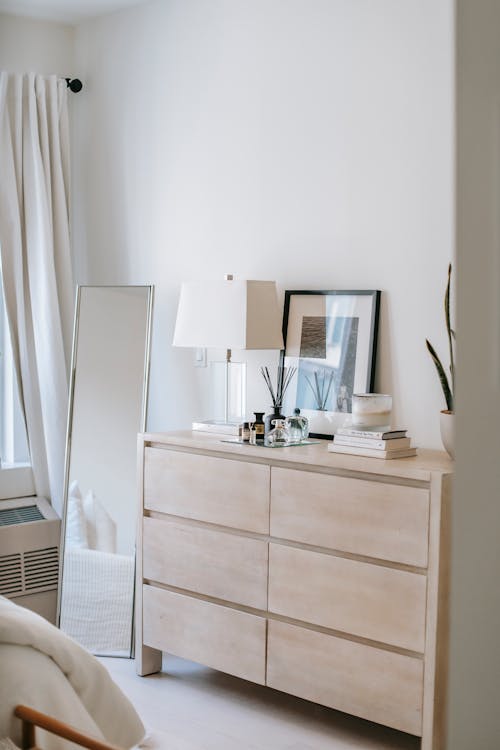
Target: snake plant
<point x="448" y="385"/>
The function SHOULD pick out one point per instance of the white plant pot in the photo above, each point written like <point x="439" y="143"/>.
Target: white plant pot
<point x="447" y="425"/>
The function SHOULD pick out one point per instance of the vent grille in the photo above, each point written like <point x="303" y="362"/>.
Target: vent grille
<point x="11" y="516"/>
<point x="11" y="575"/>
<point x="29" y="572"/>
<point x="41" y="568"/>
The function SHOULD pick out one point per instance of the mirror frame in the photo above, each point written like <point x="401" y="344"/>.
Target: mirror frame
<point x="69" y="425"/>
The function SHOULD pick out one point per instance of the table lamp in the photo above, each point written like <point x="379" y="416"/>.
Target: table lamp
<point x="229" y="314"/>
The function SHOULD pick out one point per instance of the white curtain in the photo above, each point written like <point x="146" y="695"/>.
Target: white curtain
<point x="36" y="262"/>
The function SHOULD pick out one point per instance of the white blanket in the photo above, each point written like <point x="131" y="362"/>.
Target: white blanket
<point x="43" y="668"/>
<point x="97" y="597"/>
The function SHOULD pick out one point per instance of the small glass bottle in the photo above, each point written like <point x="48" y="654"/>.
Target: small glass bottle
<point x="245" y="432"/>
<point x="268" y="420"/>
<point x="279" y="435"/>
<point x="259" y="427"/>
<point x="298" y="426"/>
<point x="252" y="439"/>
<point x="304" y="421"/>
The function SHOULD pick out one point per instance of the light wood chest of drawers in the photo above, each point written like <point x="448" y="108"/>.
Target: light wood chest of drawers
<point x="322" y="575"/>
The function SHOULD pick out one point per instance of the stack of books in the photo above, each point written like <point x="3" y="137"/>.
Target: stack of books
<point x="390" y="443"/>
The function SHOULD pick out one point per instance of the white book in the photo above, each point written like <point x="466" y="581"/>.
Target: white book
<point x="218" y="428"/>
<point x="390" y="434"/>
<point x="371" y="452"/>
<point x="360" y="442"/>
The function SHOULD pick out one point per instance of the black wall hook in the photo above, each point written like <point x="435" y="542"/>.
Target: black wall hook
<point x="74" y="84"/>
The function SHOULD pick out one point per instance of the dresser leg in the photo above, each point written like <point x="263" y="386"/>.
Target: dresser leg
<point x="147" y="660"/>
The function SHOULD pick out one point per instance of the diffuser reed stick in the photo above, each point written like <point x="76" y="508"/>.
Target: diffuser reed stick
<point x="285" y="375"/>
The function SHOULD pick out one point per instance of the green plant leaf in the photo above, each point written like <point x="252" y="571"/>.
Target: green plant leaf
<point x="451" y="334"/>
<point x="442" y="376"/>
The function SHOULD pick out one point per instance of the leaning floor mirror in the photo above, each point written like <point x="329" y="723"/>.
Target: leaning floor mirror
<point x="107" y="409"/>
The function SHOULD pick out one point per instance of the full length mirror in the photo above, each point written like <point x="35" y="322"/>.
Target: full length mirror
<point x="107" y="409"/>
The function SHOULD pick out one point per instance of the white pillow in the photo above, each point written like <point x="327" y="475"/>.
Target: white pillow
<point x="101" y="529"/>
<point x="89" y="511"/>
<point x="74" y="489"/>
<point x="76" y="524"/>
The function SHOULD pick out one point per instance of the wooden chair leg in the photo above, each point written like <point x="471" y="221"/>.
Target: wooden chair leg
<point x="28" y="738"/>
<point x="32" y="718"/>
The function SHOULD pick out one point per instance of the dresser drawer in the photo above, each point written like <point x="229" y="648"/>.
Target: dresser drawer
<point x="369" y="682"/>
<point x="370" y="601"/>
<point x="221" y="638"/>
<point x="374" y="519"/>
<point x="217" y="490"/>
<point x="208" y="562"/>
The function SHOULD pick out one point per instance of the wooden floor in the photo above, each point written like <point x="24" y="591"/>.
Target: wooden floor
<point x="200" y="709"/>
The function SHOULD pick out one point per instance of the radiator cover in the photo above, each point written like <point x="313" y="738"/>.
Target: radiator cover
<point x="29" y="553"/>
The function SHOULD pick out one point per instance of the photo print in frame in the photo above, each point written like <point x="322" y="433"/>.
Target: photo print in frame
<point x="331" y="338"/>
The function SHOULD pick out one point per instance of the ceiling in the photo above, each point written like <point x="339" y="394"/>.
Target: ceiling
<point x="65" y="11"/>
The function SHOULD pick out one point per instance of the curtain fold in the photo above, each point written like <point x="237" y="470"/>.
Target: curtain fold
<point x="36" y="262"/>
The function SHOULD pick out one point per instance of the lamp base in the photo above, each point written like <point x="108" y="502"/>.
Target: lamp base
<point x="216" y="426"/>
<point x="227" y="392"/>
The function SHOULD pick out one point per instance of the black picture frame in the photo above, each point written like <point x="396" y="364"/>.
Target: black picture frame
<point x="331" y="337"/>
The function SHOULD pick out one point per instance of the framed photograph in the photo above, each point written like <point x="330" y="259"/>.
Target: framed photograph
<point x="331" y="338"/>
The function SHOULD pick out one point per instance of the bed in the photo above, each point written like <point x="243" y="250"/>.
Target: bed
<point x="44" y="669"/>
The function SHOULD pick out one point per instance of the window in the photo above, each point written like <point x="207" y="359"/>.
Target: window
<point x="15" y="474"/>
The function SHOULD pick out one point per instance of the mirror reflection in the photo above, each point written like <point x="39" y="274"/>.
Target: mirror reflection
<point x="107" y="410"/>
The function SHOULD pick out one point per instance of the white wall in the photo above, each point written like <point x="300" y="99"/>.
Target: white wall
<point x="475" y="611"/>
<point x="307" y="142"/>
<point x="35" y="46"/>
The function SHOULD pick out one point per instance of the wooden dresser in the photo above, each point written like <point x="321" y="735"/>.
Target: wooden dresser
<point x="322" y="575"/>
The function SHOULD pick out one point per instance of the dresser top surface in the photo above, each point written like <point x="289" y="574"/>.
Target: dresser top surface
<point x="420" y="467"/>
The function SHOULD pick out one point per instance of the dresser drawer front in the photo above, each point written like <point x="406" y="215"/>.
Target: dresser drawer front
<point x="213" y="563"/>
<point x="222" y="638"/>
<point x="372" y="683"/>
<point x="374" y="519"/>
<point x="369" y="601"/>
<point x="207" y="488"/>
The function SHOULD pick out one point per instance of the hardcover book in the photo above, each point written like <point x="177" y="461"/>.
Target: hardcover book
<point x="371" y="452"/>
<point x="361" y="442"/>
<point x="389" y="434"/>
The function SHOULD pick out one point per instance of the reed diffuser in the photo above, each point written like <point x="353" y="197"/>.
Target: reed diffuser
<point x="284" y="378"/>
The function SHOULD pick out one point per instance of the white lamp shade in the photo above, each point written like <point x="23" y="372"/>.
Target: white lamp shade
<point x="229" y="314"/>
